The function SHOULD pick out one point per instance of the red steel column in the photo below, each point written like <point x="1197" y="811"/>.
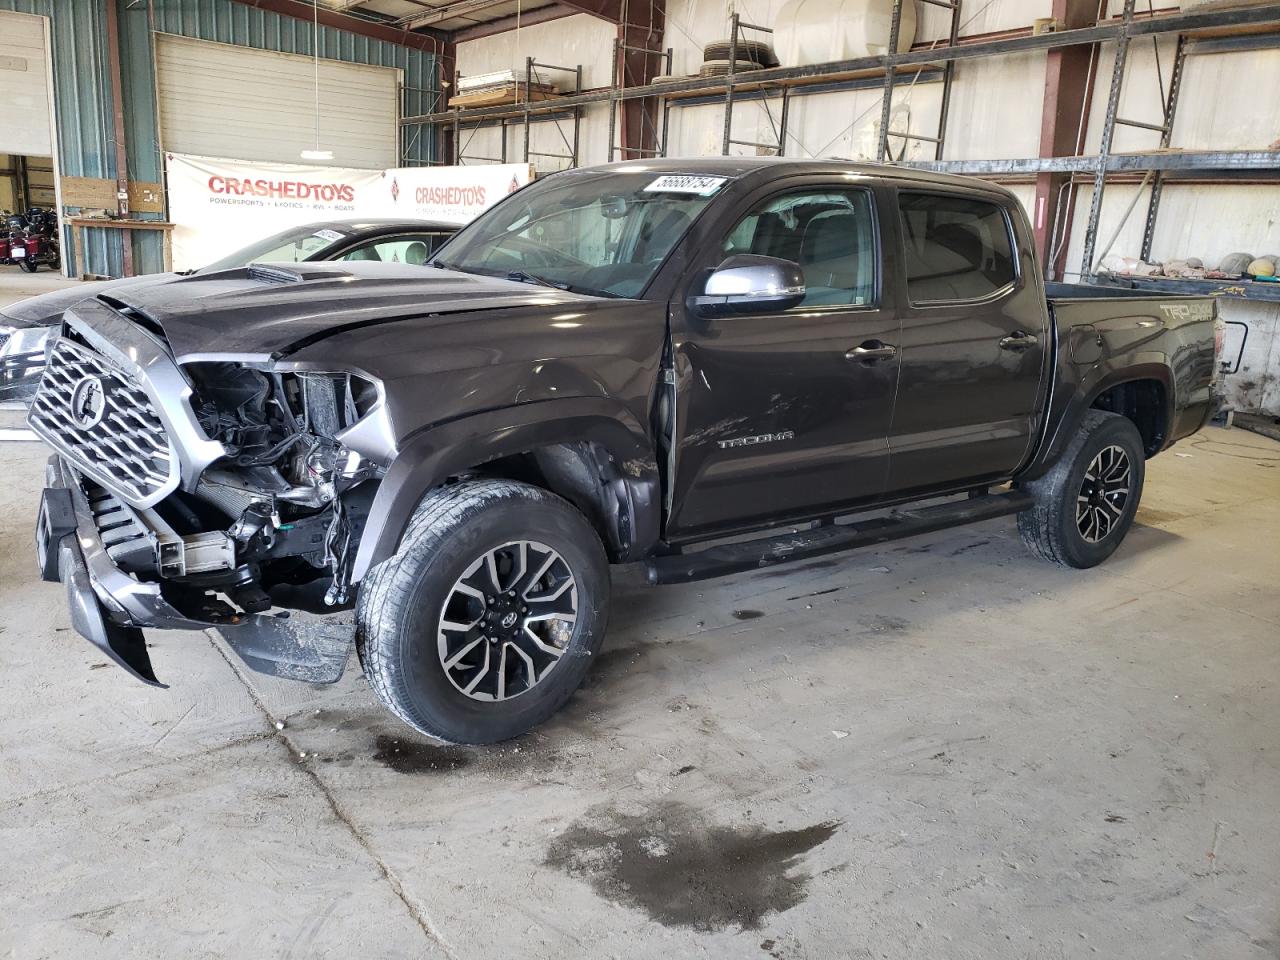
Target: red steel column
<point x="1069" y="73"/>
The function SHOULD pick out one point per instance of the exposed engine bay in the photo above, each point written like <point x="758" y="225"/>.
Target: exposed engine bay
<point x="281" y="510"/>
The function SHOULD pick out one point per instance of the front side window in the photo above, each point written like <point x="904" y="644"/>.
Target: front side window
<point x="957" y="248"/>
<point x="289" y="246"/>
<point x="411" y="248"/>
<point x="601" y="233"/>
<point x="829" y="233"/>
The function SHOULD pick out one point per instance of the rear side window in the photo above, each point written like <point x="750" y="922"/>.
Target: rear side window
<point x="956" y="248"/>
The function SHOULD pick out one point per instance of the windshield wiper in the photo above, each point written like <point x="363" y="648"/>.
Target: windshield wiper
<point x="522" y="277"/>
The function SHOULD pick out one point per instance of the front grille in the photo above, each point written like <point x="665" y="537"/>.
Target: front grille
<point x="117" y="439"/>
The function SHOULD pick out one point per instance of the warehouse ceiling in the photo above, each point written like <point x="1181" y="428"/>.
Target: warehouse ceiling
<point x="438" y="15"/>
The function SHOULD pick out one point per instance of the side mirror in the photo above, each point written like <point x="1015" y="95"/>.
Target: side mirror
<point x="746" y="283"/>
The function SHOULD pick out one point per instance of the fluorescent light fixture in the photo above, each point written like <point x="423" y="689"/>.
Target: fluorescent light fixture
<point x="317" y="154"/>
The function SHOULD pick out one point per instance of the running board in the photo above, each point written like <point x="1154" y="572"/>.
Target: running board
<point x="831" y="538"/>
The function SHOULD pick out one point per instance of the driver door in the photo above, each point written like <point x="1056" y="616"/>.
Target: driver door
<point x="777" y="418"/>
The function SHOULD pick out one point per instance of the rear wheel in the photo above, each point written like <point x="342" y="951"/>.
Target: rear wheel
<point x="30" y="266"/>
<point x="485" y="620"/>
<point x="1085" y="505"/>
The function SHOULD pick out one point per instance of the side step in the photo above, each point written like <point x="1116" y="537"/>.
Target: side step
<point x="832" y="538"/>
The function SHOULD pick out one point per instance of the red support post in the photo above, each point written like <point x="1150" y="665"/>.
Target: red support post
<point x="1069" y="75"/>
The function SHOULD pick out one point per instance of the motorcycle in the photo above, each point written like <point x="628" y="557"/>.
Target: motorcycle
<point x="6" y="231"/>
<point x="34" y="240"/>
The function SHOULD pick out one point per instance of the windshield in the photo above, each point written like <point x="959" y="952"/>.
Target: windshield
<point x="288" y="246"/>
<point x="600" y="233"/>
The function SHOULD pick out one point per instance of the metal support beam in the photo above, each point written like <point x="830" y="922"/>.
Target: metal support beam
<point x="890" y="70"/>
<point x="1260" y="161"/>
<point x="427" y="40"/>
<point x="490" y="28"/>
<point x="449" y="12"/>
<point x="1170" y="110"/>
<point x="1068" y="90"/>
<point x="1108" y="136"/>
<point x="612" y="10"/>
<point x="122" y="154"/>
<point x="639" y="58"/>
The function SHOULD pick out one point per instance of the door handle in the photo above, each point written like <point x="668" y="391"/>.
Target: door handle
<point x="872" y="350"/>
<point x="1018" y="340"/>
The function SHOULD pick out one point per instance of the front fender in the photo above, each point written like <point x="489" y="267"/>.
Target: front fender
<point x="431" y="456"/>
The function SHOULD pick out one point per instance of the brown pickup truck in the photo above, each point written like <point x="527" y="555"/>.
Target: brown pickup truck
<point x="705" y="366"/>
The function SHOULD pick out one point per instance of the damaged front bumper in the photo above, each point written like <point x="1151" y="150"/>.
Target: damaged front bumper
<point x="109" y="607"/>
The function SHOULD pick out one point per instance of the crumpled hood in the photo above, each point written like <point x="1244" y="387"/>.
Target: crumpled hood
<point x="272" y="310"/>
<point x="46" y="309"/>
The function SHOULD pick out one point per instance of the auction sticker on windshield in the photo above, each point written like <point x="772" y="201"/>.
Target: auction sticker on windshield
<point x="333" y="236"/>
<point x="686" y="183"/>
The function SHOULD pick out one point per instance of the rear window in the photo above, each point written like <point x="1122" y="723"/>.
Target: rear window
<point x="956" y="248"/>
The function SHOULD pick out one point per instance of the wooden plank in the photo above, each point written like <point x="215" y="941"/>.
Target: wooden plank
<point x="88" y="192"/>
<point x="91" y="193"/>
<point x="145" y="197"/>
<point x="509" y="94"/>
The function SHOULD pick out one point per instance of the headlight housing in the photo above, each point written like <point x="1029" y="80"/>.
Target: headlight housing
<point x="17" y="341"/>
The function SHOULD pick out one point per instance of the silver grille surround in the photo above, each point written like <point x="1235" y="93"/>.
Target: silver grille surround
<point x="143" y="365"/>
<point x="128" y="450"/>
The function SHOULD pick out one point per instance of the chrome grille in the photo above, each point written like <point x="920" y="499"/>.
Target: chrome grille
<point x="125" y="448"/>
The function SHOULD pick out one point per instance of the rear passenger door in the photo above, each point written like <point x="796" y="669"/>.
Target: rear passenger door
<point x="973" y="342"/>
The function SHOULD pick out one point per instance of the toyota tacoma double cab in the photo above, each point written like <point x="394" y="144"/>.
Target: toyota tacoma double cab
<point x="703" y="365"/>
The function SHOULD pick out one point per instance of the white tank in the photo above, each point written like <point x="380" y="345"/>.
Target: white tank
<point x="819" y="31"/>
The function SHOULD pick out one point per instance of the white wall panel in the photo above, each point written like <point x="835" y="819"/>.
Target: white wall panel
<point x="222" y="100"/>
<point x="978" y="17"/>
<point x="1228" y="103"/>
<point x="996" y="108"/>
<point x="566" y="42"/>
<point x="25" y="107"/>
<point x="1208" y="222"/>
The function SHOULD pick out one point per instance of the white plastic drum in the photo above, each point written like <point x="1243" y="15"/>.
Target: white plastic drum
<point x="819" y="31"/>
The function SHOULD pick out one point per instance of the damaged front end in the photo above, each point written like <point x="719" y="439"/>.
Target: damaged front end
<point x="226" y="494"/>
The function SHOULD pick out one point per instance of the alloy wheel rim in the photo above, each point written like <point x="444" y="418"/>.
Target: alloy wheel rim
<point x="507" y="621"/>
<point x="1104" y="494"/>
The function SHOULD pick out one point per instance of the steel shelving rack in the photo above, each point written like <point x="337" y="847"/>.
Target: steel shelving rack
<point x="1205" y="31"/>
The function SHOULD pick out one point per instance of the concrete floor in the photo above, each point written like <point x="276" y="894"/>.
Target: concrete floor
<point x="942" y="748"/>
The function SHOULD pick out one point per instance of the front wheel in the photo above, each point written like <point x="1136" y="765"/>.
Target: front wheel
<point x="1085" y="505"/>
<point x="487" y="617"/>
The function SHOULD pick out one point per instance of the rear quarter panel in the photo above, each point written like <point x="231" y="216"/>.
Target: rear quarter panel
<point x="1106" y="341"/>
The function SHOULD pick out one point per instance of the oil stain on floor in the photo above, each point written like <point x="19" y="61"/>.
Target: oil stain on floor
<point x="684" y="871"/>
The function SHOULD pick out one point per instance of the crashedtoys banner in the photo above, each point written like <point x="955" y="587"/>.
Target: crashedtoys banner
<point x="218" y="206"/>
<point x="452" y="194"/>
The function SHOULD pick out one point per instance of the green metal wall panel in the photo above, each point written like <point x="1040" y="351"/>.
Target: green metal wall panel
<point x="83" y="102"/>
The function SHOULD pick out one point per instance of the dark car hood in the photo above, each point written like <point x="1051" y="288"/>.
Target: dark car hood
<point x="46" y="309"/>
<point x="274" y="310"/>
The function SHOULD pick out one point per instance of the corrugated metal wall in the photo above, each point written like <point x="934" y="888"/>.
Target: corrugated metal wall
<point x="83" y="101"/>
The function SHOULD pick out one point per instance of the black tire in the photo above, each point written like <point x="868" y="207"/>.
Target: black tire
<point x="30" y="266"/>
<point x="402" y="601"/>
<point x="757" y="51"/>
<point x="1051" y="528"/>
